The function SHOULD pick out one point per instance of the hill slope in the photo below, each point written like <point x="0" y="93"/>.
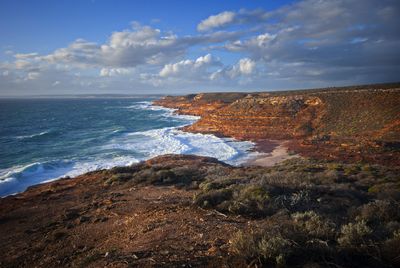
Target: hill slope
<point x="352" y="123"/>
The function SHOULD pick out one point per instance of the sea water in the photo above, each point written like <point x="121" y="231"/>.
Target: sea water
<point x="45" y="139"/>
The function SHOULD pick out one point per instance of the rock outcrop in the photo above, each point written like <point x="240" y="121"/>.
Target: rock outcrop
<point x="192" y="211"/>
<point x="355" y="123"/>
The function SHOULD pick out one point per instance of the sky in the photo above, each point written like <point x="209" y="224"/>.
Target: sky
<point x="179" y="47"/>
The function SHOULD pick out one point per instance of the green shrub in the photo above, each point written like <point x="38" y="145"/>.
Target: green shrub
<point x="118" y="178"/>
<point x="335" y="166"/>
<point x="212" y="185"/>
<point x="391" y="248"/>
<point x="268" y="248"/>
<point x="244" y="245"/>
<point x="212" y="198"/>
<point x="313" y="225"/>
<point x="380" y="211"/>
<point x="354" y="235"/>
<point x="275" y="249"/>
<point x="250" y="200"/>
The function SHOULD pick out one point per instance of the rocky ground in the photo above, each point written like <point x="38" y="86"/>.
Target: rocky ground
<point x="337" y="206"/>
<point x="189" y="211"/>
<point x="104" y="219"/>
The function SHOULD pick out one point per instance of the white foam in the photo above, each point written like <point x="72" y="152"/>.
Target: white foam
<point x="145" y="144"/>
<point x="173" y="141"/>
<point x="33" y="135"/>
<point x="168" y="112"/>
<point x="19" y="178"/>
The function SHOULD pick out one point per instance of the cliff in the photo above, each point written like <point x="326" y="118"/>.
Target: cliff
<point x="192" y="211"/>
<point x="351" y="123"/>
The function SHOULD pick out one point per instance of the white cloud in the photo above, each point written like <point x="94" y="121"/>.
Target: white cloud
<point x="32" y="76"/>
<point x="26" y="55"/>
<point x="129" y="48"/>
<point x="22" y="64"/>
<point x="216" y="21"/>
<point x="305" y="44"/>
<point x="244" y="67"/>
<point x="189" y="67"/>
<point x="114" y="71"/>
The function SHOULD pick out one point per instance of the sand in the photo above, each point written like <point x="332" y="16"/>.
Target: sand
<point x="271" y="152"/>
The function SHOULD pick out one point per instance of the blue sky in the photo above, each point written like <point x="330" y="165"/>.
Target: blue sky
<point x="101" y="46"/>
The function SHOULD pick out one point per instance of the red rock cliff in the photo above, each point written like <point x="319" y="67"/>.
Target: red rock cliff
<point x="360" y="123"/>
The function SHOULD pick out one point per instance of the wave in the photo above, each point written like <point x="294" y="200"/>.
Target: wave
<point x="134" y="147"/>
<point x="170" y="140"/>
<point x="17" y="179"/>
<point x="168" y="112"/>
<point x="33" y="135"/>
<point x="147" y="105"/>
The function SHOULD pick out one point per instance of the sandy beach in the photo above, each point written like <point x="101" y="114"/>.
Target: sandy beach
<point x="272" y="152"/>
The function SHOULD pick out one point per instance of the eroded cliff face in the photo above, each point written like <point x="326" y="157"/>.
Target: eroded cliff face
<point x="199" y="104"/>
<point x="259" y="117"/>
<point x="357" y="123"/>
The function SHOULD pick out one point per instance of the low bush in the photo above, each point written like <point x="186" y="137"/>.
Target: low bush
<point x="118" y="178"/>
<point x="355" y="235"/>
<point x="212" y="198"/>
<point x="314" y="225"/>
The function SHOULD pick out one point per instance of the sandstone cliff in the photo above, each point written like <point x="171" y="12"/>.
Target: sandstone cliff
<point x="357" y="123"/>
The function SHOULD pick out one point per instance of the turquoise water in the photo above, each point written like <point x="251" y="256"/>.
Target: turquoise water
<point x="45" y="139"/>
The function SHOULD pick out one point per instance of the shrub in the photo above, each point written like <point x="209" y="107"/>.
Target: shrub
<point x="354" y="235"/>
<point x="314" y="225"/>
<point x="391" y="249"/>
<point x="270" y="248"/>
<point x="274" y="249"/>
<point x="335" y="166"/>
<point x="211" y="185"/>
<point x="244" y="245"/>
<point x="118" y="178"/>
<point x="380" y="211"/>
<point x="212" y="198"/>
<point x="250" y="200"/>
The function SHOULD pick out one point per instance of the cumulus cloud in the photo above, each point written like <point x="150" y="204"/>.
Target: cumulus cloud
<point x="129" y="48"/>
<point x="307" y="43"/>
<point x="32" y="76"/>
<point x="26" y="55"/>
<point x="243" y="68"/>
<point x="189" y="67"/>
<point x="216" y="21"/>
<point x="246" y="66"/>
<point x="114" y="71"/>
<point x="331" y="41"/>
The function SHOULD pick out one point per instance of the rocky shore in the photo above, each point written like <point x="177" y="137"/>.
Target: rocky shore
<point x="337" y="206"/>
<point x="346" y="124"/>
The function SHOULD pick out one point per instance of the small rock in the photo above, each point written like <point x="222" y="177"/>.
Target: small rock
<point x="83" y="219"/>
<point x="71" y="214"/>
<point x="212" y="250"/>
<point x="164" y="252"/>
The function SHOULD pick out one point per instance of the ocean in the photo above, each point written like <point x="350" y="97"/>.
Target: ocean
<point x="45" y="139"/>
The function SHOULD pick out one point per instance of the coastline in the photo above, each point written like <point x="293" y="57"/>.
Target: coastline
<point x="187" y="210"/>
<point x="160" y="140"/>
<point x="271" y="152"/>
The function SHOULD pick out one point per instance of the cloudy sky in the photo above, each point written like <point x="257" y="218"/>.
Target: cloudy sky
<point x="104" y="46"/>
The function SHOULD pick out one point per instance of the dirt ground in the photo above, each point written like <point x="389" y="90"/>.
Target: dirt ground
<point x="82" y="223"/>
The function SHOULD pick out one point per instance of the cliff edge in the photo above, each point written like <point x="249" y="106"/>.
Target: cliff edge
<point x="350" y="124"/>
